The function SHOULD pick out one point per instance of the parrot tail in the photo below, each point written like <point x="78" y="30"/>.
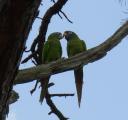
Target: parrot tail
<point x="44" y="87"/>
<point x="79" y="83"/>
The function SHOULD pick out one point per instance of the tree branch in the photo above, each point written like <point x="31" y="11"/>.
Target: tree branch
<point x="62" y="14"/>
<point x="89" y="56"/>
<point x="61" y="95"/>
<point x="54" y="108"/>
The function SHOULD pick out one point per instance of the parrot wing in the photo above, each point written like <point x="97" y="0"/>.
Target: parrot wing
<point x="45" y="81"/>
<point x="84" y="45"/>
<point x="45" y="52"/>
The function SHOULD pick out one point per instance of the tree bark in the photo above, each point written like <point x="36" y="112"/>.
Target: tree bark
<point x="16" y="18"/>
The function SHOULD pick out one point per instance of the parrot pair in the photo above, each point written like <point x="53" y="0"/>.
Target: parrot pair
<point x="52" y="51"/>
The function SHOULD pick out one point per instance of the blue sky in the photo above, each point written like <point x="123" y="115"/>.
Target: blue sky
<point x="105" y="81"/>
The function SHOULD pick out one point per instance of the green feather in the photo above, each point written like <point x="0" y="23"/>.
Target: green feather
<point x="75" y="46"/>
<point x="52" y="51"/>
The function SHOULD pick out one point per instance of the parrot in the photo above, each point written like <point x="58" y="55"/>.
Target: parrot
<point x="74" y="46"/>
<point x="52" y="51"/>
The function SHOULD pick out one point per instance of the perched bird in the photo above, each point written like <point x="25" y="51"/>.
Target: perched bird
<point x="75" y="46"/>
<point x="52" y="51"/>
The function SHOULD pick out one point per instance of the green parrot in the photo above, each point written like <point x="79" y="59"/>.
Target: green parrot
<point x="75" y="46"/>
<point x="52" y="51"/>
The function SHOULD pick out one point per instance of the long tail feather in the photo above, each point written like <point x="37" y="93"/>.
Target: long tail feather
<point x="44" y="87"/>
<point x="79" y="83"/>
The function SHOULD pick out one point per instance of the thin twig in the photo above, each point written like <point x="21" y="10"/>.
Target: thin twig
<point x="39" y="18"/>
<point x="66" y="16"/>
<point x="54" y="108"/>
<point x="34" y="62"/>
<point x="63" y="14"/>
<point x="33" y="90"/>
<point x="29" y="57"/>
<point x="61" y="95"/>
<point x="50" y="85"/>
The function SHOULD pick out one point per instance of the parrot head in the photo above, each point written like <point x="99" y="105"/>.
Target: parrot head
<point x="55" y="35"/>
<point x="69" y="35"/>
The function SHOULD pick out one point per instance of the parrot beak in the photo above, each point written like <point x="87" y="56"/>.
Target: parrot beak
<point x="64" y="34"/>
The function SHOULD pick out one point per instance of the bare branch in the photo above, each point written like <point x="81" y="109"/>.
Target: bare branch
<point x="62" y="13"/>
<point x="54" y="108"/>
<point x="39" y="18"/>
<point x="29" y="57"/>
<point x="33" y="90"/>
<point x="61" y="95"/>
<point x="89" y="56"/>
<point x="66" y="16"/>
<point x="50" y="85"/>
